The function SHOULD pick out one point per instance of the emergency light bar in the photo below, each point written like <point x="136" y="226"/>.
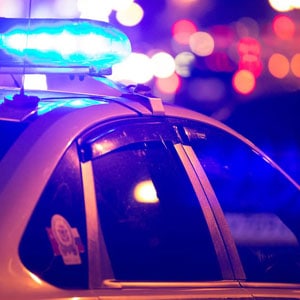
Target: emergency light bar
<point x="60" y="45"/>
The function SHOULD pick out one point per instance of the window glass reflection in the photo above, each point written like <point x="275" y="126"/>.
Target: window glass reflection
<point x="151" y="219"/>
<point x="261" y="206"/>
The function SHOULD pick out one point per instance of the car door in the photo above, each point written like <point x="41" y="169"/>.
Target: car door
<point x="151" y="230"/>
<point x="260" y="204"/>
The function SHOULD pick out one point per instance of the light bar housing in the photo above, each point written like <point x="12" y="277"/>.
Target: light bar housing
<point x="60" y="46"/>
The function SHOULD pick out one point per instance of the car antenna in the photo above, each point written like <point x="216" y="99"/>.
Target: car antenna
<point x="16" y="83"/>
<point x="28" y="27"/>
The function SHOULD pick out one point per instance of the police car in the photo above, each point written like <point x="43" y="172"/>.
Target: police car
<point x="127" y="197"/>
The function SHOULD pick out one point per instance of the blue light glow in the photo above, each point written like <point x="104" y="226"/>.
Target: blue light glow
<point x="47" y="106"/>
<point x="64" y="43"/>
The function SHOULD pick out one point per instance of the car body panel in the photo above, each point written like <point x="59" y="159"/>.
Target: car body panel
<point x="32" y="159"/>
<point x="24" y="179"/>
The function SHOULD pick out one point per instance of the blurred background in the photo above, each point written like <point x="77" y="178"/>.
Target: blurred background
<point x="237" y="61"/>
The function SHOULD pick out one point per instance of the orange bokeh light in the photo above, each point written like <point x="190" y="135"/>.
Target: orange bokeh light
<point x="201" y="43"/>
<point x="278" y="65"/>
<point x="295" y="65"/>
<point x="244" y="82"/>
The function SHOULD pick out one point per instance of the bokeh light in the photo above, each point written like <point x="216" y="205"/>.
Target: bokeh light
<point x="284" y="27"/>
<point x="195" y="42"/>
<point x="249" y="50"/>
<point x="244" y="82"/>
<point x="182" y="30"/>
<point x="247" y="27"/>
<point x="295" y="65"/>
<point x="284" y="5"/>
<point x="295" y="4"/>
<point x="163" y="64"/>
<point x="281" y="5"/>
<point x="168" y="85"/>
<point x="136" y="68"/>
<point x="201" y="43"/>
<point x="249" y="45"/>
<point x="131" y="15"/>
<point x="184" y="62"/>
<point x="278" y="65"/>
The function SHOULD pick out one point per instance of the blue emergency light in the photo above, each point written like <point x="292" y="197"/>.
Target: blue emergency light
<point x="60" y="45"/>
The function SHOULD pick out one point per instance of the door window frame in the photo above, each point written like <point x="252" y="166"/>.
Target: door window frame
<point x="221" y="238"/>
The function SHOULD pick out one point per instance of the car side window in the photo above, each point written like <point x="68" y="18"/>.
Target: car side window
<point x="261" y="206"/>
<point x="53" y="246"/>
<point x="152" y="223"/>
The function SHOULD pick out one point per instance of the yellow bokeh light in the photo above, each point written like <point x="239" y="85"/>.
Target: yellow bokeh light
<point x="184" y="63"/>
<point x="136" y="68"/>
<point x="163" y="64"/>
<point x="131" y="16"/>
<point x="145" y="192"/>
<point x="278" y="65"/>
<point x="202" y="43"/>
<point x="295" y="4"/>
<point x="281" y="5"/>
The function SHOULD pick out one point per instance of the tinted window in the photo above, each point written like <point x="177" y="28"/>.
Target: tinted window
<point x="151" y="219"/>
<point x="261" y="206"/>
<point x="54" y="243"/>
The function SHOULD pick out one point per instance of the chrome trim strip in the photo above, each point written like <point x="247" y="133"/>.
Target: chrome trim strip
<point x="149" y="284"/>
<point x="99" y="264"/>
<point x="218" y="242"/>
<point x="219" y="217"/>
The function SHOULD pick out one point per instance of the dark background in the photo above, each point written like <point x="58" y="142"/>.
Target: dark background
<point x="269" y="116"/>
